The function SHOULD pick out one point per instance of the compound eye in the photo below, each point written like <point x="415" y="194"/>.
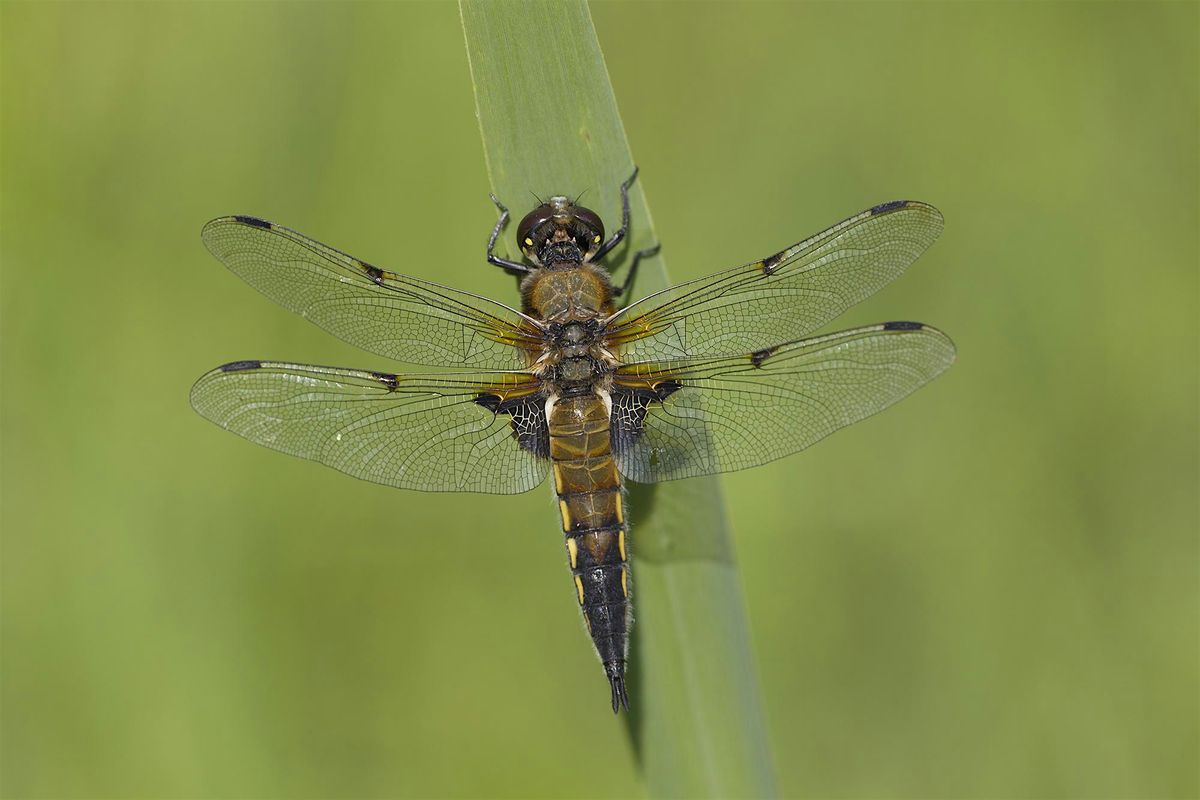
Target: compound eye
<point x="529" y="225"/>
<point x="593" y="227"/>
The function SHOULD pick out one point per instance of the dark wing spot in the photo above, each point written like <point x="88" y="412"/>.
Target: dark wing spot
<point x="888" y="206"/>
<point x="254" y="222"/>
<point x="759" y="356"/>
<point x="528" y="420"/>
<point x="373" y="272"/>
<point x="902" y="326"/>
<point x="240" y="366"/>
<point x="664" y="389"/>
<point x="390" y="381"/>
<point x="770" y="263"/>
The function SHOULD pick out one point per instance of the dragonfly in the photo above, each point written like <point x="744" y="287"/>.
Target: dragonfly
<point x="709" y="376"/>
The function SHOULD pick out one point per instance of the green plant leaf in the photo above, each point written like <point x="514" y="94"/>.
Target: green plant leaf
<point x="550" y="125"/>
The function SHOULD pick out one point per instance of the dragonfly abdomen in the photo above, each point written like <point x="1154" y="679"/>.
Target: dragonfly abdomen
<point x="591" y="503"/>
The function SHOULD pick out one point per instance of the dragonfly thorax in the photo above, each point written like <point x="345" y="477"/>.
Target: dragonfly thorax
<point x="576" y="372"/>
<point x="568" y="293"/>
<point x="573" y="338"/>
<point x="574" y="355"/>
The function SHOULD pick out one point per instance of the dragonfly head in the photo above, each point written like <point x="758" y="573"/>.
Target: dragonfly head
<point x="559" y="230"/>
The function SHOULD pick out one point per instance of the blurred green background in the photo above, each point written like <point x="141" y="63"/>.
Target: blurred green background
<point x="988" y="591"/>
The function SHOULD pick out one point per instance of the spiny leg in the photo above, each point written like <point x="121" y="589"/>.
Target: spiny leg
<point x="627" y="285"/>
<point x="511" y="267"/>
<point x="620" y="234"/>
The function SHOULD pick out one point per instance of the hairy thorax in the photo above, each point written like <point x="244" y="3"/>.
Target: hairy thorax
<point x="569" y="293"/>
<point x="572" y="301"/>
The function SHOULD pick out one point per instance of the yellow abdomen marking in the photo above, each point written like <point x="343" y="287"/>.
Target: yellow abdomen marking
<point x="573" y="551"/>
<point x="579" y="588"/>
<point x="566" y="515"/>
<point x="621" y="544"/>
<point x="625" y="582"/>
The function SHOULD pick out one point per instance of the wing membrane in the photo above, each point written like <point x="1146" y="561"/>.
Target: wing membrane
<point x="450" y="432"/>
<point x="395" y="316"/>
<point x="783" y="297"/>
<point x="699" y="416"/>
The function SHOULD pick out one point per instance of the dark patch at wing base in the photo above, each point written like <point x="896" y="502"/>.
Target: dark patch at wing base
<point x="528" y="418"/>
<point x="629" y="409"/>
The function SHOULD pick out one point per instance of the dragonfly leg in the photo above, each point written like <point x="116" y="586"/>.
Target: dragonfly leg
<point x="616" y="238"/>
<point x="627" y="284"/>
<point x="511" y="267"/>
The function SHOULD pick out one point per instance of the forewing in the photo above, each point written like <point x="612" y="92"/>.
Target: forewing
<point x="483" y="432"/>
<point x="699" y="416"/>
<point x="781" y="298"/>
<point x="393" y="315"/>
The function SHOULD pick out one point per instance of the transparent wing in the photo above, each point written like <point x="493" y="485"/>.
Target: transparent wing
<point x="452" y="432"/>
<point x="395" y="316"/>
<point x="781" y="298"/>
<point x="699" y="416"/>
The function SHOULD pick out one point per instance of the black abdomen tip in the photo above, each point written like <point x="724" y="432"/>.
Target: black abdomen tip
<point x="615" y="670"/>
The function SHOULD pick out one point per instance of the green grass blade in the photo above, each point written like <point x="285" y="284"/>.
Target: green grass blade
<point x="550" y="125"/>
